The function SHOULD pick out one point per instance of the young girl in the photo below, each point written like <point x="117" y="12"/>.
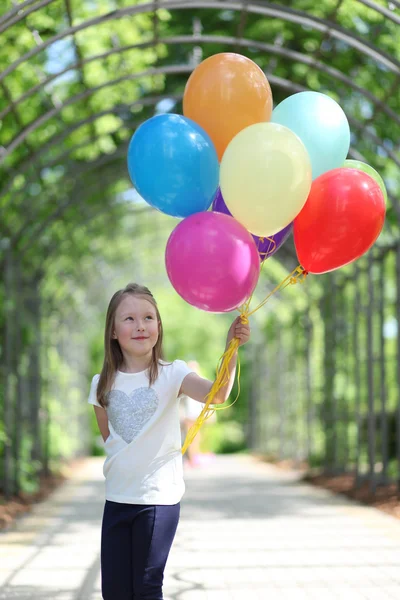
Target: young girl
<point x="135" y="399"/>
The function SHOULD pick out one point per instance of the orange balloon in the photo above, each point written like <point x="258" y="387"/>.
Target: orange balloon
<point x="226" y="93"/>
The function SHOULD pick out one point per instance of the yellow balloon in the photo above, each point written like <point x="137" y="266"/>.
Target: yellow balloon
<point x="265" y="177"/>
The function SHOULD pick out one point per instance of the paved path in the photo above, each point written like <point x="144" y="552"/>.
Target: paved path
<point x="247" y="531"/>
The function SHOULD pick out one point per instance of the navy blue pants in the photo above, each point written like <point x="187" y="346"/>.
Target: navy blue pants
<point x="135" y="544"/>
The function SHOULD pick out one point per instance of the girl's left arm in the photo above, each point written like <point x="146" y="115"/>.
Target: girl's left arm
<point x="198" y="388"/>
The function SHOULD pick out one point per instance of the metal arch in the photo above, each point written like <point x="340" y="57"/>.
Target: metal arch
<point x="256" y="7"/>
<point x="282" y="83"/>
<point x="382" y="10"/>
<point x="18" y="8"/>
<point x="333" y="73"/>
<point x="12" y="21"/>
<point x="131" y="10"/>
<point x="73" y="99"/>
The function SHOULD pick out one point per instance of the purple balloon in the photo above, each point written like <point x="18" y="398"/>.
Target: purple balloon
<point x="266" y="248"/>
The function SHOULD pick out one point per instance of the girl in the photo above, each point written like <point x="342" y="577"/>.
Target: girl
<point x="135" y="399"/>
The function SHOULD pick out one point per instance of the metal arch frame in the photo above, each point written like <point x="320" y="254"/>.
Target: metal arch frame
<point x="175" y="69"/>
<point x="247" y="7"/>
<point x="62" y="135"/>
<point x="254" y="7"/>
<point x="383" y="11"/>
<point x="13" y="11"/>
<point x="73" y="99"/>
<point x="17" y="9"/>
<point x="273" y="49"/>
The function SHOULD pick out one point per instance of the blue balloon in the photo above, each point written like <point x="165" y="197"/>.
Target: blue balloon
<point x="173" y="165"/>
<point x="321" y="125"/>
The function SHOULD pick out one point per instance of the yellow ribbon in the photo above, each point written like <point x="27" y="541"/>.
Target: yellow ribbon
<point x="298" y="275"/>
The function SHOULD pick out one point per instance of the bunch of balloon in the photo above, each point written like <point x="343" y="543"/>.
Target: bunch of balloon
<point x="264" y="173"/>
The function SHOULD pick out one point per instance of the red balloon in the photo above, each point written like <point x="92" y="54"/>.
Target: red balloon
<point x="342" y="218"/>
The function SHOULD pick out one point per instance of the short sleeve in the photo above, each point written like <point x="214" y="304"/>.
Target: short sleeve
<point x="181" y="369"/>
<point x="93" y="391"/>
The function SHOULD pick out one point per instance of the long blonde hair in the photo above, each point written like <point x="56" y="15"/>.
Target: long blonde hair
<point x="113" y="357"/>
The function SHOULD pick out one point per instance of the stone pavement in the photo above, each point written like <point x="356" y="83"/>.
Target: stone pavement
<point x="247" y="530"/>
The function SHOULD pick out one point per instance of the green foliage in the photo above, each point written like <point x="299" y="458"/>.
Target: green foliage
<point x="28" y="468"/>
<point x="223" y="437"/>
<point x="78" y="235"/>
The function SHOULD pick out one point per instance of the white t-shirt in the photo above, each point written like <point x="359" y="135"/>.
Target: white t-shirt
<point x="144" y="451"/>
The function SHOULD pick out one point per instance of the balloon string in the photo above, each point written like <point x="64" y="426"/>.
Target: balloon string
<point x="298" y="275"/>
<point x="221" y="379"/>
<point x="271" y="247"/>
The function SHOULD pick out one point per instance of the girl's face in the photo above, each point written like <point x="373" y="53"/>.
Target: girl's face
<point x="136" y="326"/>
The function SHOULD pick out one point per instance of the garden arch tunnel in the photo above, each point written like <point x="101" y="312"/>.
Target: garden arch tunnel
<point x="77" y="78"/>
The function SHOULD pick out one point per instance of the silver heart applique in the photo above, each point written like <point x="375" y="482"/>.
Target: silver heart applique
<point x="129" y="414"/>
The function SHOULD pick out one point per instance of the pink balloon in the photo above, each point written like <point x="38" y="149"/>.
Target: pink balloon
<point x="212" y="261"/>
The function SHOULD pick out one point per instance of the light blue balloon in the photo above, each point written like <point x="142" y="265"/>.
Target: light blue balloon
<point x="321" y="125"/>
<point x="173" y="165"/>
